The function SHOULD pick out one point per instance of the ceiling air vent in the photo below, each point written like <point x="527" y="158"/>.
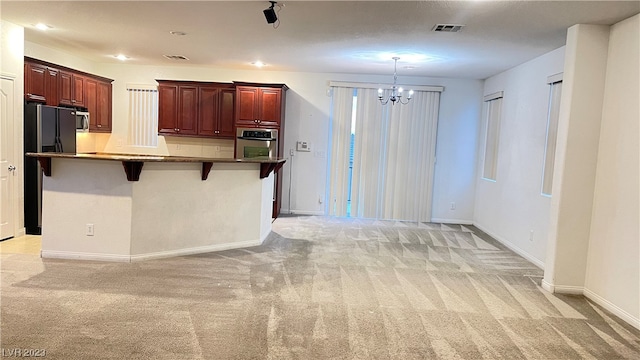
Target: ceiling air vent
<point x="176" y="57"/>
<point x="447" y="28"/>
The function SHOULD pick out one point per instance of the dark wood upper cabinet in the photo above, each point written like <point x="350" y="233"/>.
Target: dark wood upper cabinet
<point x="91" y="96"/>
<point x="98" y="103"/>
<point x="216" y="111"/>
<point x="52" y="87"/>
<point x="209" y="109"/>
<point x="57" y="85"/>
<point x="72" y="89"/>
<point x="103" y="112"/>
<point x="168" y="108"/>
<point x="187" y="110"/>
<point x="65" y="88"/>
<point x="246" y="106"/>
<point x="259" y="105"/>
<point x="35" y="78"/>
<point x="78" y="94"/>
<point x="192" y="108"/>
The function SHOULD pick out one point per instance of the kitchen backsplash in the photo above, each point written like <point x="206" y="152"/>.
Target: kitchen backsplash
<point x="199" y="147"/>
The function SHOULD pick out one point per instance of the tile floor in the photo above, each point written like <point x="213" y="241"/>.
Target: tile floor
<point x="27" y="244"/>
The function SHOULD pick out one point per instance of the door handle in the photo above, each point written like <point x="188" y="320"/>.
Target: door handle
<point x="12" y="168"/>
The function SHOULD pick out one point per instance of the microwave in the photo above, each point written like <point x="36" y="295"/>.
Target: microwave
<point x="82" y="121"/>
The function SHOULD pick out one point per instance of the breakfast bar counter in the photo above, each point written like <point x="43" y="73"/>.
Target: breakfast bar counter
<point x="133" y="207"/>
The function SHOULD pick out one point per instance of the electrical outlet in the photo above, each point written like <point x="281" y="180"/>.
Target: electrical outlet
<point x="290" y="152"/>
<point x="89" y="230"/>
<point x="531" y="235"/>
<point x="453" y="206"/>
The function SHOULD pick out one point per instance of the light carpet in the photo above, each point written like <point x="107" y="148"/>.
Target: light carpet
<point x="318" y="288"/>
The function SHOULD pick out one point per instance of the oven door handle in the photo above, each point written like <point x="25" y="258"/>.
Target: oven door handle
<point x="255" y="139"/>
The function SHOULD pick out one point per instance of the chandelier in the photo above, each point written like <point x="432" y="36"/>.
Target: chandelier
<point x="396" y="92"/>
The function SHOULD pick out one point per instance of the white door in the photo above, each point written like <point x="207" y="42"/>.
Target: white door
<point x="7" y="168"/>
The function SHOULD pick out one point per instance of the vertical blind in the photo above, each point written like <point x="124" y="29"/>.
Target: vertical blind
<point x="393" y="155"/>
<point x="143" y="115"/>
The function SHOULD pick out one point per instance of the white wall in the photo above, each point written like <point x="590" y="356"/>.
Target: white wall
<point x="307" y="119"/>
<point x="613" y="265"/>
<point x="576" y="155"/>
<point x="152" y="217"/>
<point x="12" y="66"/>
<point x="512" y="206"/>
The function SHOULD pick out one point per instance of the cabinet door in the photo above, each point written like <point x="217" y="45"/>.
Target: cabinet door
<point x="91" y="102"/>
<point x="168" y="110"/>
<point x="246" y="106"/>
<point x="103" y="113"/>
<point x="65" y="90"/>
<point x="52" y="86"/>
<point x="208" y="111"/>
<point x="270" y="107"/>
<point x="187" y="110"/>
<point x="78" y="91"/>
<point x="227" y="113"/>
<point x="35" y="82"/>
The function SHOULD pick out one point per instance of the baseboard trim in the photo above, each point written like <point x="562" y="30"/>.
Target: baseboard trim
<point x="512" y="247"/>
<point x="72" y="255"/>
<point x="611" y="307"/>
<point x="303" y="212"/>
<point x="21" y="232"/>
<point x="451" y="221"/>
<point x="547" y="286"/>
<point x="195" y="250"/>
<point x="568" y="290"/>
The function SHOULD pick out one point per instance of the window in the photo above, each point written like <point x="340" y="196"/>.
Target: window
<point x="382" y="157"/>
<point x="494" y="111"/>
<point x="143" y="115"/>
<point x="555" y="92"/>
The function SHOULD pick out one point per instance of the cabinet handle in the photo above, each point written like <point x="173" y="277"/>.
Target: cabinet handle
<point x="99" y="125"/>
<point x="73" y="101"/>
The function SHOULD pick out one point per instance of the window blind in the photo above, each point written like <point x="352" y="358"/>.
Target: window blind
<point x="143" y="115"/>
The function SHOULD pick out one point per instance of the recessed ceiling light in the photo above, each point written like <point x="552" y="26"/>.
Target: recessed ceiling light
<point x="121" y="57"/>
<point x="43" y="27"/>
<point x="178" y="33"/>
<point x="258" y="64"/>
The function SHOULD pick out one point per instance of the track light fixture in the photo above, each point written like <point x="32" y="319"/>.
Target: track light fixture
<point x="270" y="13"/>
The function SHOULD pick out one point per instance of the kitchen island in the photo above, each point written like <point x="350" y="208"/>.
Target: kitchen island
<point x="133" y="207"/>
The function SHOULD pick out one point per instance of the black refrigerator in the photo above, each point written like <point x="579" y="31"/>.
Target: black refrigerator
<point x="46" y="129"/>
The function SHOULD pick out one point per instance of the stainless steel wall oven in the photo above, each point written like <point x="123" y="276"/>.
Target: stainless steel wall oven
<point x="256" y="143"/>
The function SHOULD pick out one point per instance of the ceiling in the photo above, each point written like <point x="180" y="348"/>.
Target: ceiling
<point x="357" y="37"/>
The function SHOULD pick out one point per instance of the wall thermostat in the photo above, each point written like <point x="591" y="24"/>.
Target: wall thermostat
<point x="303" y="146"/>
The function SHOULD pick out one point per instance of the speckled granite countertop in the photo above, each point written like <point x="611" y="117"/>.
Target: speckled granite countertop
<point x="154" y="158"/>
